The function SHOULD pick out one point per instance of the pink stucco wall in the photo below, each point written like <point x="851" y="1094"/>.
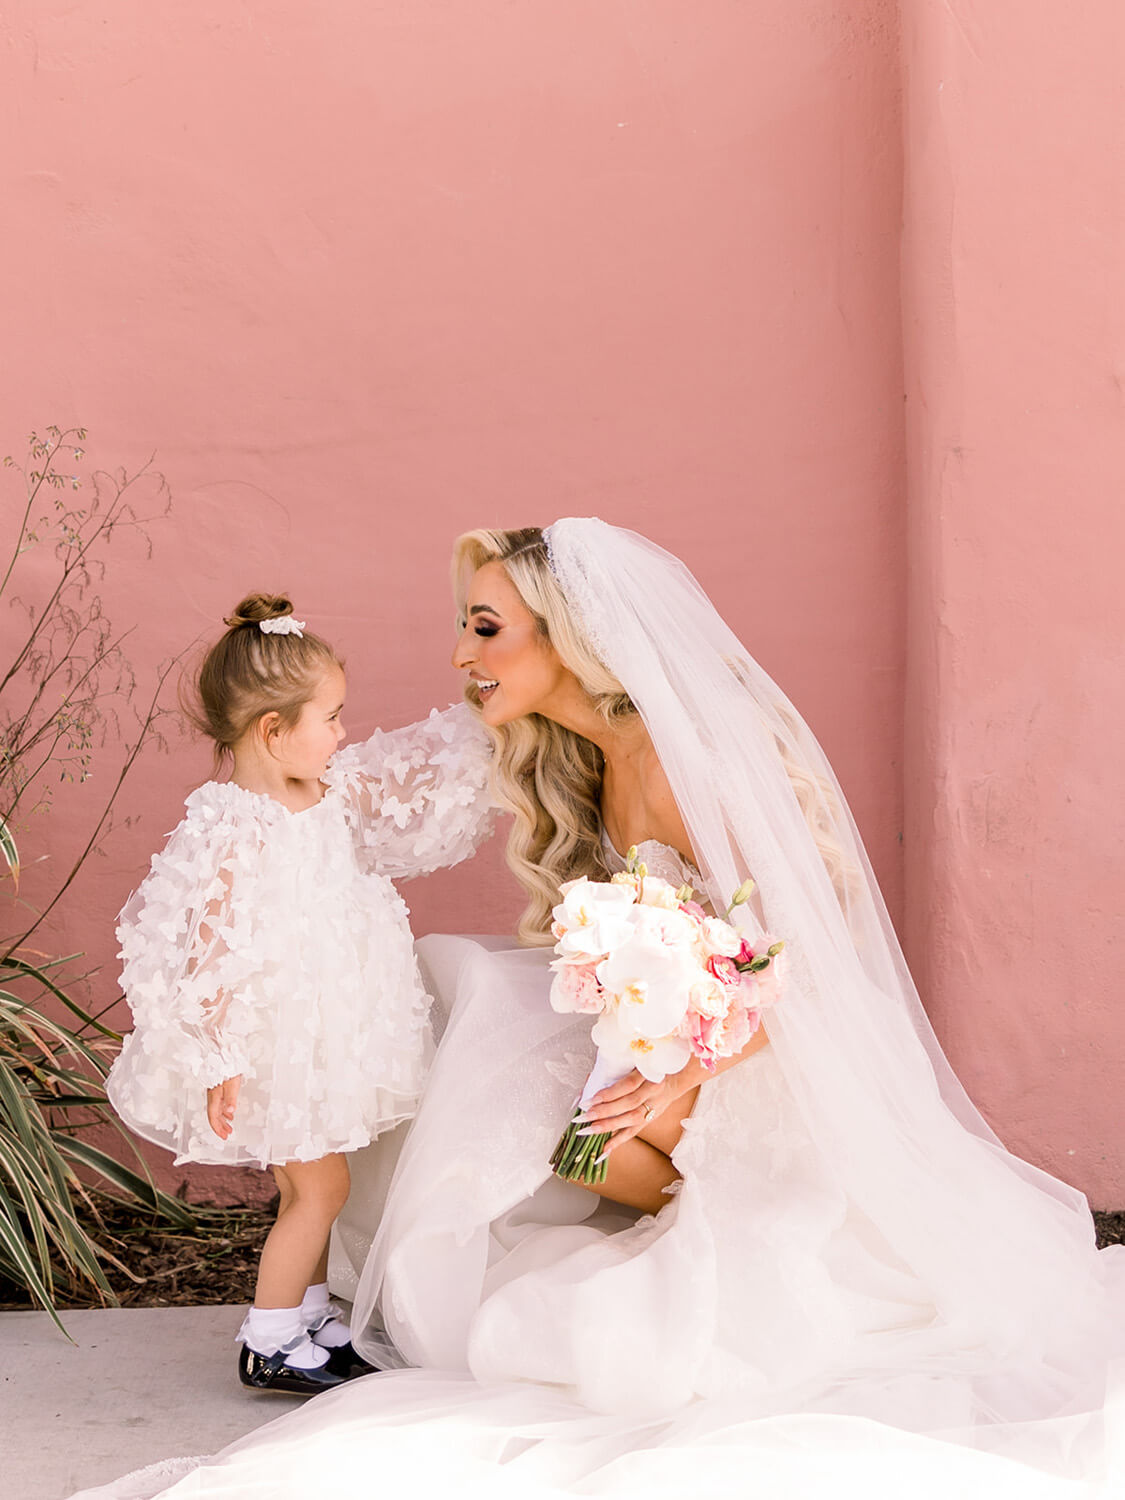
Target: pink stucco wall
<point x="1015" y="334"/>
<point x="363" y="277"/>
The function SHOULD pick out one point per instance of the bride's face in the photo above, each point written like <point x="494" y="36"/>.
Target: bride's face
<point x="515" y="669"/>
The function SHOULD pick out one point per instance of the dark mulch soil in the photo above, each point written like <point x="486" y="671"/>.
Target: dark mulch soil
<point x="218" y="1263"/>
<point x="169" y="1267"/>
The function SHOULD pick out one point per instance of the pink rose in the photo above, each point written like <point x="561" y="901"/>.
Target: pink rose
<point x="724" y="969"/>
<point x="762" y="946"/>
<point x="767" y="989"/>
<point x="763" y="989"/>
<point x="749" y="983"/>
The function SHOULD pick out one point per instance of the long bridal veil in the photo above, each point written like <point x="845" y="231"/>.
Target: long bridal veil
<point x="1004" y="1251"/>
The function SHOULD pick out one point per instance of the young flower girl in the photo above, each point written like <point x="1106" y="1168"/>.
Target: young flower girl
<point x="269" y="964"/>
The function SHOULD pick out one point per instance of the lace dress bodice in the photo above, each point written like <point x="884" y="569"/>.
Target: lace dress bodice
<point x="662" y="861"/>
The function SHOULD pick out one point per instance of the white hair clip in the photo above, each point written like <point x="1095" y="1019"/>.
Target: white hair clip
<point x="282" y="625"/>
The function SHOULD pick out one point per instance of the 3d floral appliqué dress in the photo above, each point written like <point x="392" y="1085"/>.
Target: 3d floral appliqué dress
<point x="272" y="944"/>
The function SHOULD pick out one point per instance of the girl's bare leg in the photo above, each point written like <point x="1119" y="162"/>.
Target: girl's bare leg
<point x="295" y="1254"/>
<point x="321" y="1272"/>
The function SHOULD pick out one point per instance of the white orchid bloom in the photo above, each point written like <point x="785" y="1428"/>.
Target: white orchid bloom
<point x="591" y="919"/>
<point x="651" y="981"/>
<point x="654" y="1058"/>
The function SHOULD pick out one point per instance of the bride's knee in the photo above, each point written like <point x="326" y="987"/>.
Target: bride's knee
<point x="638" y="1175"/>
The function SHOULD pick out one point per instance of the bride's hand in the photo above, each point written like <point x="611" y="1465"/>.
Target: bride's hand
<point x="628" y="1106"/>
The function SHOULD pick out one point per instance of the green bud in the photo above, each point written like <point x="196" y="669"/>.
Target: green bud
<point x="775" y="949"/>
<point x="743" y="894"/>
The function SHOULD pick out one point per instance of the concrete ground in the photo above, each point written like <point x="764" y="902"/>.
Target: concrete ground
<point x="137" y="1385"/>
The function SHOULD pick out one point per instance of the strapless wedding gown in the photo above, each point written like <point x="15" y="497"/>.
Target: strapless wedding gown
<point x="757" y="1336"/>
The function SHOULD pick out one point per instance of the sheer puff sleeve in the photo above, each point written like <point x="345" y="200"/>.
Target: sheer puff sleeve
<point x="188" y="949"/>
<point x="418" y="798"/>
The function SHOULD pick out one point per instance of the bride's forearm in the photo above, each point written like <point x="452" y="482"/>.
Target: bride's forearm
<point x="628" y="1106"/>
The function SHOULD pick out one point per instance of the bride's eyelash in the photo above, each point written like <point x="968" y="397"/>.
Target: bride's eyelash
<point x="486" y="629"/>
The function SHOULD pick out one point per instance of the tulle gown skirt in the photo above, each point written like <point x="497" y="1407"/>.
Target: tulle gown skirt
<point x="759" y="1293"/>
<point x="758" y="1334"/>
<point x="757" y="1280"/>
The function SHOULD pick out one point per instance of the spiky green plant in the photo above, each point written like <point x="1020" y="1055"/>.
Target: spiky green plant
<point x="52" y="1093"/>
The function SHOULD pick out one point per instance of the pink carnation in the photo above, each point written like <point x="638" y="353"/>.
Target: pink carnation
<point x="767" y="987"/>
<point x="704" y="1034"/>
<point x="713" y="1037"/>
<point x="575" y="988"/>
<point x="694" y="909"/>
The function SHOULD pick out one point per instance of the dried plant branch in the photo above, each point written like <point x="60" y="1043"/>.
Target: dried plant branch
<point x="70" y="678"/>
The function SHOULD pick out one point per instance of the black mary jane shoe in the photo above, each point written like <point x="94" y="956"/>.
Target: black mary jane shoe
<point x="269" y="1372"/>
<point x="344" y="1361"/>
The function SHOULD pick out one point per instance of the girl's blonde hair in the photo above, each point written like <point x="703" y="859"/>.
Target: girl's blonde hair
<point x="248" y="673"/>
<point x="550" y="778"/>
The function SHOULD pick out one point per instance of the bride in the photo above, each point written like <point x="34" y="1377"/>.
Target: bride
<point x="817" y="1266"/>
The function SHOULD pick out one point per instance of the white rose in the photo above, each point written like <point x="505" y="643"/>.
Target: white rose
<point x="721" y="938"/>
<point x="709" y="997"/>
<point x="667" y="925"/>
<point x="659" y="893"/>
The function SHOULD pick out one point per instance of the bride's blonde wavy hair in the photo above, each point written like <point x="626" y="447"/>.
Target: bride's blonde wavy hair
<point x="550" y="778"/>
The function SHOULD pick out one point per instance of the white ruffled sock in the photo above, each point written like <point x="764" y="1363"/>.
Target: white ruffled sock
<point x="270" y="1330"/>
<point x="324" y="1321"/>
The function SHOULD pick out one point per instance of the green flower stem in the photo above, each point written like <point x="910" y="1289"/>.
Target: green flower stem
<point x="575" y="1158"/>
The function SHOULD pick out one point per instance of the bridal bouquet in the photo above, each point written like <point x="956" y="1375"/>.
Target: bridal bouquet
<point x="666" y="982"/>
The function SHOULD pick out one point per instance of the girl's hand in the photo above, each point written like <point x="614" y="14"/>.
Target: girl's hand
<point x="629" y="1106"/>
<point x="222" y="1100"/>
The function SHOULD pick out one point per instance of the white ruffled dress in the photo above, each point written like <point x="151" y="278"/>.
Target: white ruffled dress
<point x="272" y="944"/>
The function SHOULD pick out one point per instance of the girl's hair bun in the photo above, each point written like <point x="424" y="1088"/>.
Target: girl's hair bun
<point x="258" y="607"/>
<point x="248" y="673"/>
